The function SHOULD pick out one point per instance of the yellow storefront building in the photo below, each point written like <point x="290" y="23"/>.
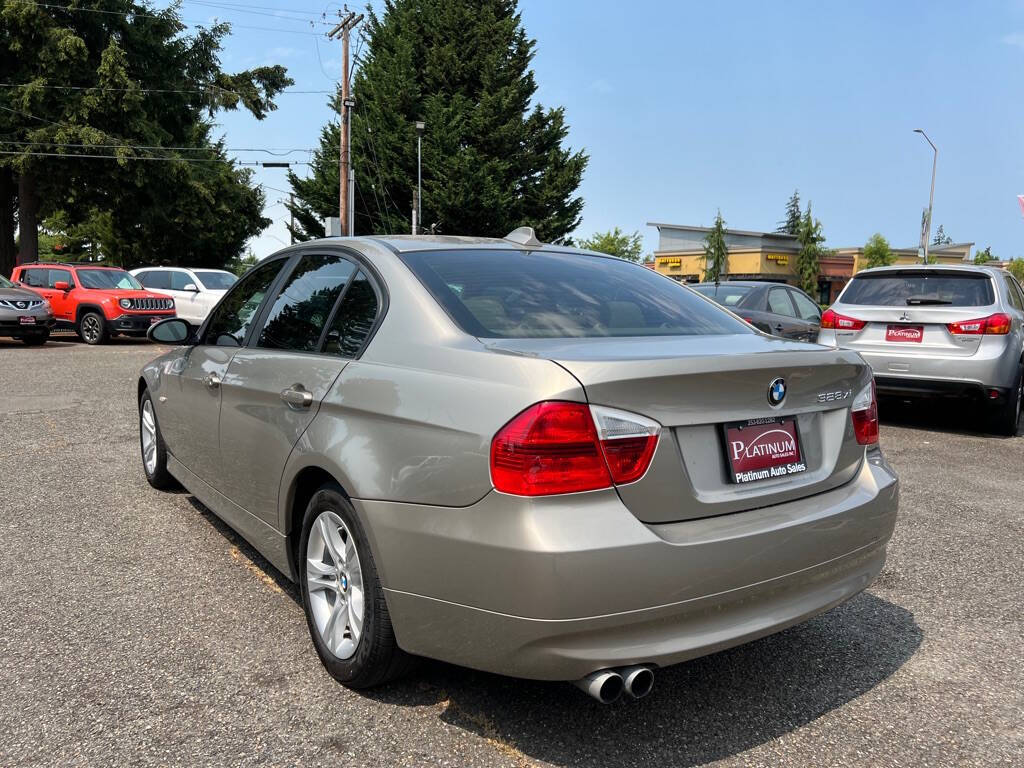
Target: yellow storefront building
<point x="771" y="256"/>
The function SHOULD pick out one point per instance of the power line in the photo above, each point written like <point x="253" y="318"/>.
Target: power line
<point x="312" y="17"/>
<point x="184" y="22"/>
<point x="145" y="90"/>
<point x="76" y="156"/>
<point x="277" y="152"/>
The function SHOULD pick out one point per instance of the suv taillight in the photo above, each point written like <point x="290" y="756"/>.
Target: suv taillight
<point x="832" y="319"/>
<point x="864" y="412"/>
<point x="997" y="324"/>
<point x="559" y="447"/>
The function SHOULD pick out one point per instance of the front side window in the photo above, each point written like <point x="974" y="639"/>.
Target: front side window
<point x="545" y="294"/>
<point x="5" y="283"/>
<point x="229" y="324"/>
<point x="303" y="306"/>
<point x="108" y="279"/>
<point x="806" y="309"/>
<point x="354" y="319"/>
<point x="920" y="288"/>
<point x="179" y="280"/>
<point x="58" y="276"/>
<point x="215" y="281"/>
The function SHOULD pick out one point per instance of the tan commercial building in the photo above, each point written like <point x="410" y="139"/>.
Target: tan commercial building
<point x="771" y="256"/>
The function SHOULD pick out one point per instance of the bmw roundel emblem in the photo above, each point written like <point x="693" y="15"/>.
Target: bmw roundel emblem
<point x="777" y="392"/>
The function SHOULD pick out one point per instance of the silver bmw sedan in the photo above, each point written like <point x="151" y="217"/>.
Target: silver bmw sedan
<point x="522" y="458"/>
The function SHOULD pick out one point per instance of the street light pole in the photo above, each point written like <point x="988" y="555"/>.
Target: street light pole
<point x="420" y="125"/>
<point x="931" y="195"/>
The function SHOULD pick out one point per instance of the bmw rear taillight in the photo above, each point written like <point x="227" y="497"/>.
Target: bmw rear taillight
<point x="864" y="412"/>
<point x="832" y="319"/>
<point x="997" y="324"/>
<point x="559" y="447"/>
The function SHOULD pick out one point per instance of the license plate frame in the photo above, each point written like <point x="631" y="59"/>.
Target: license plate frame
<point x="26" y="320"/>
<point x="765" y="453"/>
<point x="904" y="334"/>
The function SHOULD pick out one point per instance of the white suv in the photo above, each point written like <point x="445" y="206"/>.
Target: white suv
<point x="195" y="291"/>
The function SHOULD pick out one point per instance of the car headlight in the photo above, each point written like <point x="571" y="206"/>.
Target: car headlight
<point x="125" y="303"/>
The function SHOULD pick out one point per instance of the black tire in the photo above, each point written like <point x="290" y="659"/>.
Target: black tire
<point x="92" y="328"/>
<point x="35" y="339"/>
<point x="159" y="478"/>
<point x="377" y="658"/>
<point x="1006" y="417"/>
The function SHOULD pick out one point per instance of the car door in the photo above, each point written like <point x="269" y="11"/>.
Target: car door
<point x="274" y="387"/>
<point x="185" y="292"/>
<point x="808" y="314"/>
<point x="783" y="320"/>
<point x="190" y="398"/>
<point x="1016" y="300"/>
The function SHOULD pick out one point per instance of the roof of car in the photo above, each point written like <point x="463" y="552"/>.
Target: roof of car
<point x="932" y="268"/>
<point x="744" y="283"/>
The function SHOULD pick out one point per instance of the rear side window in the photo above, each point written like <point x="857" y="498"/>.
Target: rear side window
<point x="34" y="278"/>
<point x="724" y="294"/>
<point x="543" y="294"/>
<point x="1013" y="293"/>
<point x="155" y="279"/>
<point x="902" y="289"/>
<point x="354" y="319"/>
<point x="302" y="308"/>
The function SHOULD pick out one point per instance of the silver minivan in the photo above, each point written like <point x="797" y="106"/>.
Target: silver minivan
<point x="928" y="331"/>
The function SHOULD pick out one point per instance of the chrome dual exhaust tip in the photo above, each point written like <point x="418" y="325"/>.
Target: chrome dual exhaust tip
<point x="607" y="685"/>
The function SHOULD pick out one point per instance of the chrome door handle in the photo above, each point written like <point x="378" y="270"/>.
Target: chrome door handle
<point x="297" y="396"/>
<point x="212" y="381"/>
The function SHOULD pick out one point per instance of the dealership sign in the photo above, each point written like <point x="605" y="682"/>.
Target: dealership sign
<point x="763" y="448"/>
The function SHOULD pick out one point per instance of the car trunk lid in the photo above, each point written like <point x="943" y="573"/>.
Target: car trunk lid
<point x="694" y="386"/>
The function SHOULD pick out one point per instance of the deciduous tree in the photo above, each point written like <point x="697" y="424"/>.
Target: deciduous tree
<point x="877" y="252"/>
<point x="615" y="242"/>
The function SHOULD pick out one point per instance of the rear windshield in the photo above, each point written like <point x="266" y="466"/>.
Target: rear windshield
<point x="215" y="281"/>
<point x="901" y="289"/>
<point x="726" y="295"/>
<point x="540" y="294"/>
<point x="107" y="279"/>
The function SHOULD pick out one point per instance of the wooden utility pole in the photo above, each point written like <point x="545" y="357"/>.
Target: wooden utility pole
<point x="342" y="30"/>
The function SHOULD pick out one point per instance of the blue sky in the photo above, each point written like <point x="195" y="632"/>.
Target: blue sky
<point x="686" y="108"/>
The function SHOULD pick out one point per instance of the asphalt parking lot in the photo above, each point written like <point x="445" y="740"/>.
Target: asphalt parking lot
<point x="138" y="629"/>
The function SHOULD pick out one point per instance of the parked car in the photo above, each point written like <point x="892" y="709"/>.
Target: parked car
<point x="774" y="308"/>
<point x="931" y="331"/>
<point x="195" y="291"/>
<point x="521" y="458"/>
<point x="23" y="314"/>
<point x="98" y="302"/>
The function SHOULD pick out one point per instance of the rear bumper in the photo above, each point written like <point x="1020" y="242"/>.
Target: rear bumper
<point x="557" y="588"/>
<point x="919" y="387"/>
<point x="13" y="327"/>
<point x="137" y="323"/>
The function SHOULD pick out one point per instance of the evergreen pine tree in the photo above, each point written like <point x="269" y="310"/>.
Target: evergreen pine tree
<point x="491" y="162"/>
<point x="791" y="224"/>
<point x="715" y="252"/>
<point x="807" y="260"/>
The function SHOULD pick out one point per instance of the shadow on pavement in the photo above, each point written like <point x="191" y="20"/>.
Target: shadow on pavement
<point x="700" y="711"/>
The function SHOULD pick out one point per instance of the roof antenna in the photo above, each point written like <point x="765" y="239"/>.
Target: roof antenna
<point x="524" y="236"/>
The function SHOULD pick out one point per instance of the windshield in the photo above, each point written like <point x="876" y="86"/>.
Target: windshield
<point x="215" y="281"/>
<point x="540" y="294"/>
<point x="5" y="283"/>
<point x="107" y="279"/>
<point x="909" y="289"/>
<point x="724" y="294"/>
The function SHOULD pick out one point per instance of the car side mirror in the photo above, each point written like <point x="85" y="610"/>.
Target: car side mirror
<point x="62" y="285"/>
<point x="191" y="287"/>
<point x="173" y="330"/>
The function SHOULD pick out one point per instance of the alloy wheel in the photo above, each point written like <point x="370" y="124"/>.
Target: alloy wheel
<point x="148" y="436"/>
<point x="91" y="329"/>
<point x="334" y="580"/>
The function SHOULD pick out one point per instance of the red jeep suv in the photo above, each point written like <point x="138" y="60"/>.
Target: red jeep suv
<point x="96" y="301"/>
